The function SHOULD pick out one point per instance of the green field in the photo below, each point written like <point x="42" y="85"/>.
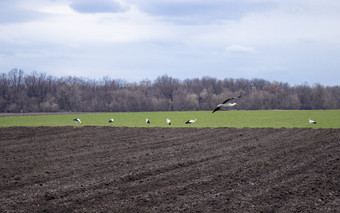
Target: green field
<point x="238" y="119"/>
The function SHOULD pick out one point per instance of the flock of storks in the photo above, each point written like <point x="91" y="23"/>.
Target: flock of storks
<point x="226" y="104"/>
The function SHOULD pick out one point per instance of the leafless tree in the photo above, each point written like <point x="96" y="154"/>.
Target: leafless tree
<point x="167" y="87"/>
<point x="37" y="92"/>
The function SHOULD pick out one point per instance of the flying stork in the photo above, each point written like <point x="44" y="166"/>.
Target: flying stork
<point x="311" y="121"/>
<point x="147" y="121"/>
<point x="77" y="120"/>
<point x="226" y="104"/>
<point x="191" y="121"/>
<point x="168" y="121"/>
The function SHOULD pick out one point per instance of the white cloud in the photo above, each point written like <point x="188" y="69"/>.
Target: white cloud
<point x="201" y="12"/>
<point x="171" y="36"/>
<point x="235" y="48"/>
<point x="61" y="24"/>
<point x="98" y="6"/>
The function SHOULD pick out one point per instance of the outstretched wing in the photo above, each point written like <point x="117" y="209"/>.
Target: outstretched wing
<point x="216" y="109"/>
<point x="229" y="99"/>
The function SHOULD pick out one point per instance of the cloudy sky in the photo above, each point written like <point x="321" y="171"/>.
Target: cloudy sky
<point x="294" y="41"/>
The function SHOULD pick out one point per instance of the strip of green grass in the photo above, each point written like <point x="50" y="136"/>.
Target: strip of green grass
<point x="238" y="119"/>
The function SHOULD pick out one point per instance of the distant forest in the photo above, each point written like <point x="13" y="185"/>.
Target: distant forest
<point x="38" y="92"/>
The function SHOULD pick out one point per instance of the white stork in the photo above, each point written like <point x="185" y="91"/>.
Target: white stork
<point x="311" y="121"/>
<point x="147" y="121"/>
<point x="111" y="120"/>
<point x="168" y="121"/>
<point x="191" y="121"/>
<point x="77" y="120"/>
<point x="226" y="104"/>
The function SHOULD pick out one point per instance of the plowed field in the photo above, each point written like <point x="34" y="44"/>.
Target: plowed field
<point x="119" y="169"/>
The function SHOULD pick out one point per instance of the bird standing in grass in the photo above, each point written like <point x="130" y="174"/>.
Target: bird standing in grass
<point x="168" y="121"/>
<point x="226" y="104"/>
<point x="77" y="120"/>
<point x="191" y="121"/>
<point x="111" y="121"/>
<point x="147" y="121"/>
<point x="311" y="121"/>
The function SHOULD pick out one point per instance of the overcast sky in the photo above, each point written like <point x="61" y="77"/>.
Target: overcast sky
<point x="294" y="41"/>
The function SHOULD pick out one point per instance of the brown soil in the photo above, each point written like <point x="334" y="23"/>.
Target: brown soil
<point x="101" y="169"/>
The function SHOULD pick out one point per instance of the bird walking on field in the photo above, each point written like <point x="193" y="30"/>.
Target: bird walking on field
<point x="147" y="121"/>
<point x="191" y="121"/>
<point x="168" y="121"/>
<point x="311" y="121"/>
<point x="111" y="120"/>
<point x="77" y="120"/>
<point x="226" y="104"/>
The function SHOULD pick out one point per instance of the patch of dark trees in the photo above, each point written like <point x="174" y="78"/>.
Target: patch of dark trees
<point x="38" y="92"/>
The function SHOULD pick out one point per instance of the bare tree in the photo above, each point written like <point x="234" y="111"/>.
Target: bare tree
<point x="15" y="92"/>
<point x="37" y="92"/>
<point x="167" y="86"/>
<point x="304" y="93"/>
<point x="318" y="97"/>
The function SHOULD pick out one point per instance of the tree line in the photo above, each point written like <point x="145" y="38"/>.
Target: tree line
<point x="38" y="92"/>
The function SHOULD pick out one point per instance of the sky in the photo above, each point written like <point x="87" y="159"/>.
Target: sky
<point x="291" y="41"/>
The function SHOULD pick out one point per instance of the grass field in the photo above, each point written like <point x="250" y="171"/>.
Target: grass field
<point x="238" y="119"/>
